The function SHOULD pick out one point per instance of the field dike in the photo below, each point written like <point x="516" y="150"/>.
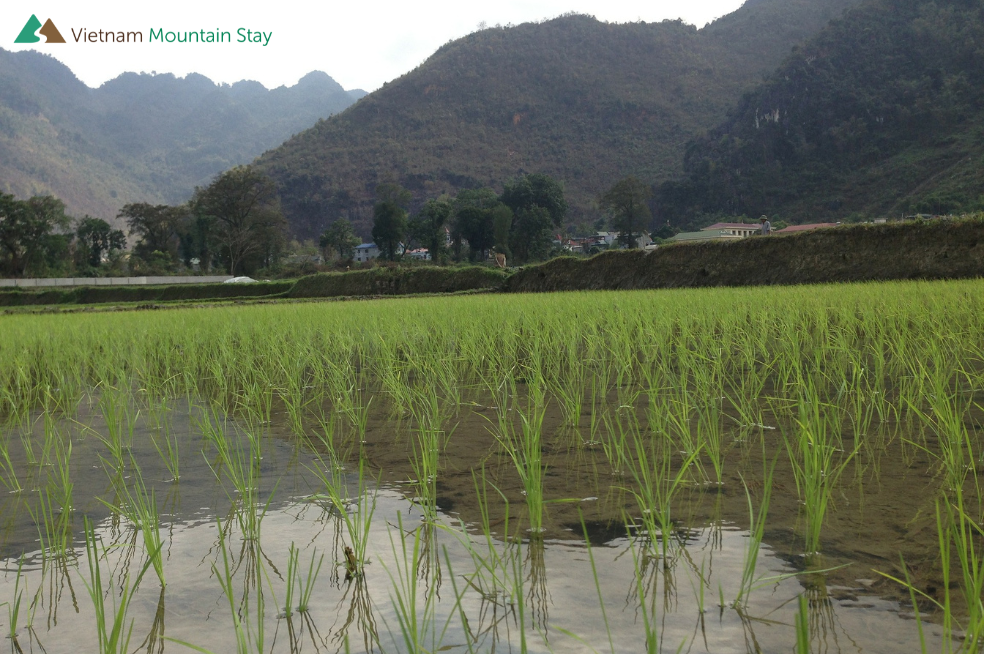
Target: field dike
<point x="16" y="297"/>
<point x="856" y="253"/>
<point x="398" y="281"/>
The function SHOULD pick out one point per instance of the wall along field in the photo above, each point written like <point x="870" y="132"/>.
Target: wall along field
<point x="702" y="470"/>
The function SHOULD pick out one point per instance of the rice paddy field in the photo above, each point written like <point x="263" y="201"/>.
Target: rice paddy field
<point x="791" y="469"/>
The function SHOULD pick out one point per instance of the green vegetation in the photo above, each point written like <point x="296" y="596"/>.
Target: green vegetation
<point x="15" y="297"/>
<point x="941" y="249"/>
<point x="583" y="101"/>
<point x="691" y="400"/>
<point x="398" y="281"/>
<point x="879" y="114"/>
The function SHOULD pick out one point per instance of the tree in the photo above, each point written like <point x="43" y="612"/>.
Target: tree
<point x="389" y="226"/>
<point x="502" y="222"/>
<point x="339" y="238"/>
<point x="94" y="237"/>
<point x="473" y="219"/>
<point x="536" y="190"/>
<point x="429" y="227"/>
<point x="28" y="232"/>
<point x="532" y="235"/>
<point x="626" y="201"/>
<point x="245" y="207"/>
<point x="156" y="226"/>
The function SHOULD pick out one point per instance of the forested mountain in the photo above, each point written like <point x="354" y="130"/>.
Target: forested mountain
<point x="139" y="137"/>
<point x="583" y="101"/>
<point x="881" y="113"/>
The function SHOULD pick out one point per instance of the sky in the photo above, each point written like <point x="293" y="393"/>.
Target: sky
<point x="359" y="44"/>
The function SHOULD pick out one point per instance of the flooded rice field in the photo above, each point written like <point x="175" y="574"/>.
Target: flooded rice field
<point x="720" y="471"/>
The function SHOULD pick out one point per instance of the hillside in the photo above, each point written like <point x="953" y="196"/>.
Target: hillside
<point x="584" y="101"/>
<point x="882" y="113"/>
<point x="139" y="137"/>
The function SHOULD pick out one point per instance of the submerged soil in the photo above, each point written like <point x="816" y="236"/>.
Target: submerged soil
<point x="882" y="513"/>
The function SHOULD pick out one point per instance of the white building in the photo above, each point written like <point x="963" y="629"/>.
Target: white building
<point x="741" y="230"/>
<point x="365" y="252"/>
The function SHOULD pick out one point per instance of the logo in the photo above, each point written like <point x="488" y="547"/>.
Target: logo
<point x="31" y="29"/>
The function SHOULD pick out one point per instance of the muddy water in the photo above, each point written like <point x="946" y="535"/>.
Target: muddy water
<point x="566" y="595"/>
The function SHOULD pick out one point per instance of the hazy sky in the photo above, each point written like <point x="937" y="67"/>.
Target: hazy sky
<point x="360" y="44"/>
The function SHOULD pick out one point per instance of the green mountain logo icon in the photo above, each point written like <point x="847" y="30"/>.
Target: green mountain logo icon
<point x="31" y="29"/>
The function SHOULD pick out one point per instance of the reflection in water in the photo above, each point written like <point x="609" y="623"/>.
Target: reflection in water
<point x="492" y="589"/>
<point x="154" y="642"/>
<point x="537" y="598"/>
<point x="356" y="606"/>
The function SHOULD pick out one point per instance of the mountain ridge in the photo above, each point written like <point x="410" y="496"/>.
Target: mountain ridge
<point x="584" y="101"/>
<point x="881" y="114"/>
<point x="140" y="137"/>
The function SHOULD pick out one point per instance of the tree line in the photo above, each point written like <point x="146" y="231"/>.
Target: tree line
<point x="235" y="225"/>
<point x="522" y="223"/>
<point x="232" y="225"/>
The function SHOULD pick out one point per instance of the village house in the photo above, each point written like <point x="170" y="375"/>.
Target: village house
<point x="740" y="230"/>
<point x="365" y="252"/>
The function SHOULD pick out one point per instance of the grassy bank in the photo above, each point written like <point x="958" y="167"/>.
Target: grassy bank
<point x="399" y="281"/>
<point x="16" y="297"/>
<point x="855" y="253"/>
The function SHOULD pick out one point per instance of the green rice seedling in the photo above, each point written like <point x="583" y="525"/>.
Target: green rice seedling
<point x="594" y="574"/>
<point x="355" y="511"/>
<point x="656" y="483"/>
<point x="803" y="626"/>
<point x="708" y="387"/>
<point x="430" y="440"/>
<point x="112" y="629"/>
<point x="116" y="407"/>
<point x="567" y="386"/>
<point x="525" y="450"/>
<point x="239" y="464"/>
<point x="967" y="539"/>
<point x="54" y="527"/>
<point x="817" y="463"/>
<point x="680" y="411"/>
<point x="139" y="505"/>
<point x="8" y="472"/>
<point x="14" y="605"/>
<point x="27" y="442"/>
<point x="615" y="445"/>
<point x="249" y="630"/>
<point x="492" y="565"/>
<point x="306" y="583"/>
<point x="597" y="416"/>
<point x="166" y="444"/>
<point x="756" y="532"/>
<point x="647" y="605"/>
<point x="60" y="481"/>
<point x="298" y="587"/>
<point x="290" y="580"/>
<point x="947" y="419"/>
<point x="415" y="606"/>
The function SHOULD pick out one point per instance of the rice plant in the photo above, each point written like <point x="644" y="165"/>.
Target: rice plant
<point x="817" y="462"/>
<point x="112" y="629"/>
<point x="356" y="510"/>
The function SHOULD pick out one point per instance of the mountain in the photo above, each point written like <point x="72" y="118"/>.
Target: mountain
<point x="882" y="113"/>
<point x="584" y="101"/>
<point x="140" y="137"/>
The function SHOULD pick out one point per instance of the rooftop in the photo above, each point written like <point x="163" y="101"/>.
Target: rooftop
<point x="732" y="226"/>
